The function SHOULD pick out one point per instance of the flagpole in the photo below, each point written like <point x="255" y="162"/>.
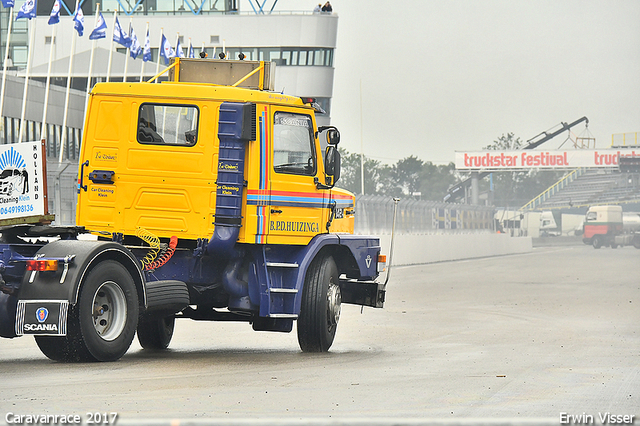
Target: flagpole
<point x="115" y="13"/>
<point x="4" y="68"/>
<point x="63" y="139"/>
<point x="43" y="128"/>
<point x="126" y="53"/>
<point x="32" y="37"/>
<point x="142" y="66"/>
<point x="93" y="48"/>
<point x="178" y="44"/>
<point x="159" y="55"/>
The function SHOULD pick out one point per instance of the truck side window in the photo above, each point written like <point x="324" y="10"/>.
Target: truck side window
<point x="167" y="124"/>
<point x="293" y="144"/>
<point x="591" y="216"/>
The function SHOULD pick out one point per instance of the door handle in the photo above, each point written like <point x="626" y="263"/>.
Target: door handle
<point x="80" y="185"/>
<point x="276" y="211"/>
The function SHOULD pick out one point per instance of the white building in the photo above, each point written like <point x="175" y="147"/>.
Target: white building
<point x="301" y="43"/>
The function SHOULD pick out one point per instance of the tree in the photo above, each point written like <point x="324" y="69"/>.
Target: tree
<point x="435" y="180"/>
<point x="350" y="172"/>
<point x="408" y="172"/>
<point x="405" y="178"/>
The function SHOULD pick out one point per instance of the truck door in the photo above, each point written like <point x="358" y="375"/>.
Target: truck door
<point x="151" y="172"/>
<point x="297" y="207"/>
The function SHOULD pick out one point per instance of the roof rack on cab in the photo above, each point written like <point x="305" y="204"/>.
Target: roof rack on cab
<point x="257" y="75"/>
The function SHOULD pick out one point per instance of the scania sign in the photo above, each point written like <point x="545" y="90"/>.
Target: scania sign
<point x="47" y="318"/>
<point x="41" y="327"/>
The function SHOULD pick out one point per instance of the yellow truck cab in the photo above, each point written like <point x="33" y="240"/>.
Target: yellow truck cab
<point x="213" y="198"/>
<point x="154" y="159"/>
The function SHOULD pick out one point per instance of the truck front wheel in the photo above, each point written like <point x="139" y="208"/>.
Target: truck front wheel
<point x="320" y="308"/>
<point x="597" y="242"/>
<point x="156" y="333"/>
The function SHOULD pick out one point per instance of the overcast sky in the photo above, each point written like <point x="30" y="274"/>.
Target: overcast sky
<point x="440" y="76"/>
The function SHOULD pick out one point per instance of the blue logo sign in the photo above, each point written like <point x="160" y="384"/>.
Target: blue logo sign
<point x="42" y="314"/>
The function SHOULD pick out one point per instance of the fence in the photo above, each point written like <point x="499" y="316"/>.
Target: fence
<point x="374" y="215"/>
<point x="62" y="183"/>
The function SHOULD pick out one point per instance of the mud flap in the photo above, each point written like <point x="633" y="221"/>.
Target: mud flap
<point x="42" y="317"/>
<point x="363" y="293"/>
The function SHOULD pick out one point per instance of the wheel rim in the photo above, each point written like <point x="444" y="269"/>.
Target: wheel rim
<point x="109" y="311"/>
<point x="334" y="302"/>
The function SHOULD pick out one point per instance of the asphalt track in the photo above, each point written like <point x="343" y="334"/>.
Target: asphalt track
<point x="521" y="339"/>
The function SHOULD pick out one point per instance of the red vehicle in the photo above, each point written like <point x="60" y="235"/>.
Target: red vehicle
<point x="609" y="226"/>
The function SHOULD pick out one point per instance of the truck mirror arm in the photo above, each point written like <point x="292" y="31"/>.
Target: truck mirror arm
<point x="321" y="185"/>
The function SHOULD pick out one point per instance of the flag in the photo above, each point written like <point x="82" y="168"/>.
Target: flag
<point x="134" y="49"/>
<point x="8" y="3"/>
<point x="146" y="54"/>
<point x="28" y="10"/>
<point x="166" y="51"/>
<point x="78" y="21"/>
<point x="54" y="17"/>
<point x="120" y="36"/>
<point x="100" y="30"/>
<point x="191" y="54"/>
<point x="179" y="51"/>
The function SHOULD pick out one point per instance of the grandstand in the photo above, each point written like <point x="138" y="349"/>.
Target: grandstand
<point x="588" y="187"/>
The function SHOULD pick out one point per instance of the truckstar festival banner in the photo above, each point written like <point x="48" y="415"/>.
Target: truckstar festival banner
<point x="534" y="159"/>
<point x="21" y="180"/>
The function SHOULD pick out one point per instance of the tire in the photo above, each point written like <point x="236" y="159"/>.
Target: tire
<point x="614" y="245"/>
<point x="156" y="333"/>
<point x="65" y="348"/>
<point x="57" y="348"/>
<point x="106" y="315"/>
<point x="636" y="242"/>
<point x="320" y="307"/>
<point x="597" y="242"/>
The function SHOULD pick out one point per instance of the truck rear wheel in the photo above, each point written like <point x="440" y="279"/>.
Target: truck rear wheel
<point x="597" y="242"/>
<point x="156" y="333"/>
<point x="320" y="309"/>
<point x="58" y="348"/>
<point x="636" y="242"/>
<point x="106" y="313"/>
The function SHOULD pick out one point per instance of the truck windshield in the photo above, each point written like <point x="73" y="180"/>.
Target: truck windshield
<point x="168" y="124"/>
<point x="293" y="144"/>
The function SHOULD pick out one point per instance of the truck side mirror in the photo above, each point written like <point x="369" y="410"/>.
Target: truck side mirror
<point x="332" y="164"/>
<point x="333" y="136"/>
